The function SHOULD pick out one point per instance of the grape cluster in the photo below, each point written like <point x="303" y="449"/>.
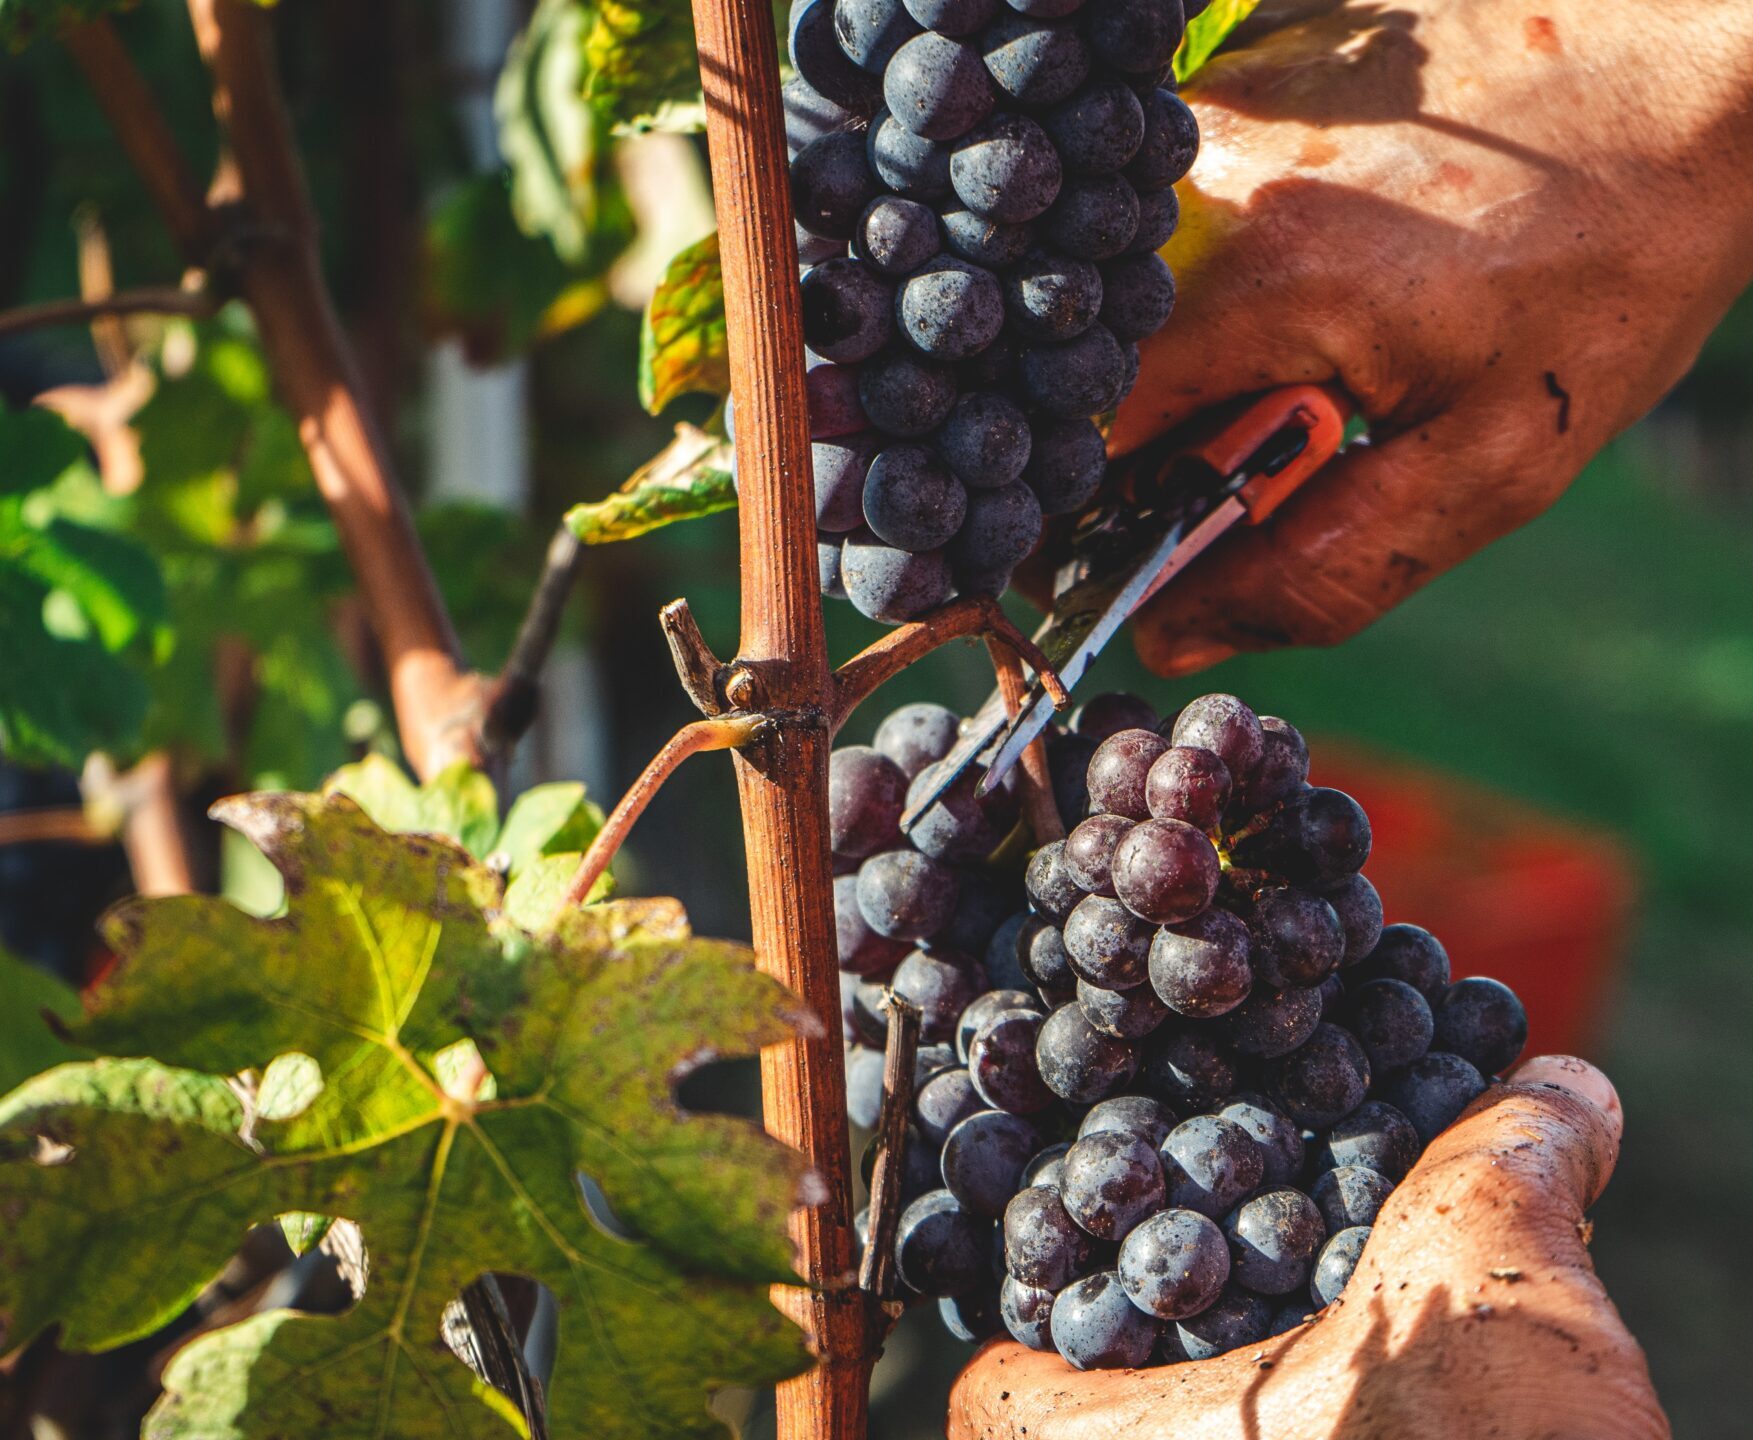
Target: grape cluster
<point x="1160" y="1102"/>
<point x="980" y="190"/>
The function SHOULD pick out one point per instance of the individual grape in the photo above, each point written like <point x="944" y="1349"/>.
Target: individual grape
<point x="1374" y="1136"/>
<point x="909" y="164"/>
<point x="1095" y="1327"/>
<point x="816" y="56"/>
<point x="889" y="584"/>
<point x="1045" y="1168"/>
<point x="910" y="500"/>
<point x="995" y="367"/>
<point x="1034" y="62"/>
<point x="1292" y="1314"/>
<point x="1189" y="784"/>
<point x="1125" y="1014"/>
<point x="929" y="1060"/>
<point x="1078" y="1062"/>
<point x="811" y="250"/>
<point x="1043" y="1246"/>
<point x="1108" y="945"/>
<point x="986" y="898"/>
<point x="1159" y="216"/>
<point x="1134" y="37"/>
<point x="971" y="1317"/>
<point x="1138" y="292"/>
<point x="833" y="402"/>
<point x="916" y="735"/>
<point x="1270" y="1023"/>
<point x="983" y="242"/>
<point x="1332" y="993"/>
<point x="941" y="988"/>
<point x="985" y="1007"/>
<point x="810" y="115"/>
<point x="866" y="791"/>
<point x="1350" y="1195"/>
<point x="1003" y="967"/>
<point x="1337" y="1263"/>
<point x="848" y="309"/>
<point x="1089" y="851"/>
<point x="1319" y="837"/>
<point x="1279" y="1139"/>
<point x="861" y="1002"/>
<point x="1174" y="1264"/>
<point x="1411" y="954"/>
<point x="953" y="17"/>
<point x="1052" y="890"/>
<point x="864" y="1086"/>
<point x="1284" y="763"/>
<point x="1001" y="529"/>
<point x="1106" y="715"/>
<point x="1210" y="1165"/>
<point x="828" y="566"/>
<point x="1110" y="1181"/>
<point x="1027" y="1312"/>
<point x="1359" y="908"/>
<point x="1046" y="9"/>
<point x="1006" y="169"/>
<point x="1188" y="1067"/>
<point x="943" y="1102"/>
<point x="1225" y="726"/>
<point x="1041" y="954"/>
<point x="895" y="235"/>
<point x="950" y="309"/>
<point x="1081" y="377"/>
<point x="905" y="396"/>
<point x="1095" y="218"/>
<point x="1120" y="769"/>
<point x="938" y="87"/>
<point x="1171" y="140"/>
<point x="1273" y="1241"/>
<point x="1002" y="1063"/>
<point x="871" y="31"/>
<point x="840" y="466"/>
<point x="1099" y="129"/>
<point x="1483" y="1022"/>
<point x="1200" y="968"/>
<point x="1068" y="763"/>
<point x="1432" y="1091"/>
<point x="1066" y="465"/>
<point x="1051" y="297"/>
<point x="831" y="184"/>
<point x="983" y="1160"/>
<point x="1297" y="938"/>
<point x="1140" y="1115"/>
<point x="940" y="1249"/>
<point x="1165" y="871"/>
<point x="1234" y="1319"/>
<point x="985" y="441"/>
<point x="861" y="950"/>
<point x="1391" y="1021"/>
<point x="1321" y="1081"/>
<point x="906" y="896"/>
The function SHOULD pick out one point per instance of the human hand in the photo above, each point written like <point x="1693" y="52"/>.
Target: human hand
<point x="1474" y="1312"/>
<point x="1504" y="226"/>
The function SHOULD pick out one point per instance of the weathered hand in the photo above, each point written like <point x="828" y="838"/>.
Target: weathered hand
<point x="1504" y="226"/>
<point x="1475" y="1312"/>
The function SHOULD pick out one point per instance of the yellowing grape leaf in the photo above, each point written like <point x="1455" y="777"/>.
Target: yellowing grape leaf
<point x="639" y="58"/>
<point x="1206" y="31"/>
<point x="690" y="477"/>
<point x="682" y="344"/>
<point x="27" y="996"/>
<point x="392" y="953"/>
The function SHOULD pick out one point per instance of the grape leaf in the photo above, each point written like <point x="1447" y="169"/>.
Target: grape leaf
<point x="391" y="953"/>
<point x="1206" y="31"/>
<point x="639" y="58"/>
<point x="682" y="342"/>
<point x="27" y="1044"/>
<point x="689" y="478"/>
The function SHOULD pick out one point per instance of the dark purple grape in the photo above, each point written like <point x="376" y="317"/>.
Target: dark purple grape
<point x="910" y="500"/>
<point x="1210" y="1165"/>
<point x="1171" y="140"/>
<point x="1110" y="1181"/>
<point x="1042" y="958"/>
<point x="1482" y="1021"/>
<point x="1034" y="62"/>
<point x="1095" y="1327"/>
<point x="1188" y="1067"/>
<point x="916" y="735"/>
<point x="1350" y="1195"/>
<point x="831" y="184"/>
<point x="984" y="1007"/>
<point x="810" y="115"/>
<point x="1292" y="1314"/>
<point x="1107" y="714"/>
<point x="1138" y="294"/>
<point x="1052" y="297"/>
<point x="1027" y="1313"/>
<point x="1126" y="1014"/>
<point x="983" y="1159"/>
<point x="1052" y="891"/>
<point x="1165" y="871"/>
<point x="1079" y="378"/>
<point x="985" y="441"/>
<point x="1280" y="1139"/>
<point x="1323" y="1080"/>
<point x="1225" y="726"/>
<point x="840" y="466"/>
<point x="1045" y="1167"/>
<point x="861" y="950"/>
<point x="1185" y="783"/>
<point x="1001" y="529"/>
<point x="1043" y="1246"/>
<point x="958" y="827"/>
<point x="816" y="56"/>
<point x="889" y="584"/>
<point x="971" y="1317"/>
<point x="1374" y="1136"/>
<point x="908" y="164"/>
<point x="861" y="1009"/>
<point x="1046" y="9"/>
<point x="1200" y="968"/>
<point x="1159" y="216"/>
<point x="1412" y="954"/>
<point x="1359" y="908"/>
<point x="986" y="243"/>
<point x="1332" y="992"/>
<point x="1120" y="770"/>
<point x="950" y="309"/>
<point x="848" y="309"/>
<point x="1318" y="838"/>
<point x="1006" y="169"/>
<point x="1274" y="1239"/>
<point x="1270" y="1023"/>
<point x="864" y="1086"/>
<point x="1095" y="218"/>
<point x="953" y="17"/>
<point x="811" y="250"/>
<point x="834" y="407"/>
<point x="1089" y="851"/>
<point x="1002" y="1062"/>
<point x="1066" y="464"/>
<point x="1003" y="965"/>
<point x="1099" y="129"/>
<point x="866" y="791"/>
<point x="895" y="236"/>
<point x="1140" y="1115"/>
<point x="943" y="1102"/>
<point x="1297" y="938"/>
<point x="1174" y="1264"/>
<point x="940" y="1249"/>
<point x="1108" y="945"/>
<point x="938" y="87"/>
<point x="1068" y="763"/>
<point x="1080" y="1063"/>
<point x="1284" y="763"/>
<point x="1390" y="1020"/>
<point x="1135" y="37"/>
<point x="870" y="31"/>
<point x="941" y="988"/>
<point x="907" y="896"/>
<point x="1337" y="1263"/>
<point x="1234" y="1319"/>
<point x="1432" y="1091"/>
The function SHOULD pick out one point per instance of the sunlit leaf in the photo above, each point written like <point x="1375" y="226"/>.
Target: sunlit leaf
<point x="682" y="343"/>
<point x="689" y="478"/>
<point x="1206" y="31"/>
<point x="639" y="57"/>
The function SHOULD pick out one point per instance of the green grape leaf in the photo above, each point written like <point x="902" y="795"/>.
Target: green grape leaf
<point x="547" y="820"/>
<point x="639" y="58"/>
<point x="689" y="478"/>
<point x="459" y="802"/>
<point x="1206" y="31"/>
<point x="28" y="1044"/>
<point x="682" y="341"/>
<point x="391" y="959"/>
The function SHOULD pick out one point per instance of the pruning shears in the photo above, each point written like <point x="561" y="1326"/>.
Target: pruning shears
<point x="1169" y="503"/>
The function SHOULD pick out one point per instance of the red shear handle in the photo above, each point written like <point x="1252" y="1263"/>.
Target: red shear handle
<point x="1320" y="410"/>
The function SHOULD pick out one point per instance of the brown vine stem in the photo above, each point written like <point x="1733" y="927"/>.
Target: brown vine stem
<point x="728" y="733"/>
<point x="865" y="672"/>
<point x="150" y="300"/>
<point x="58" y="822"/>
<point x="152" y="833"/>
<point x="1039" y="806"/>
<point x="782" y="668"/>
<point x="877" y="1276"/>
<point x="516" y="691"/>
